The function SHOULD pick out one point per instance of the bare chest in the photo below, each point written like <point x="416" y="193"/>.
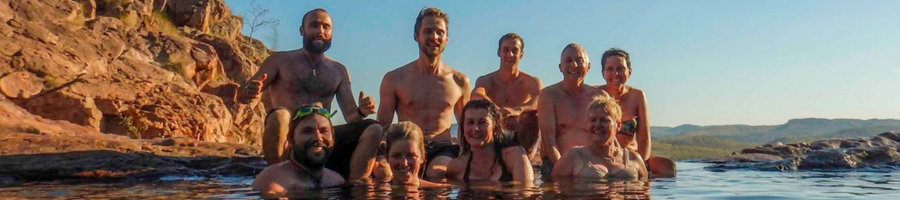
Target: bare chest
<point x="302" y="80"/>
<point x="572" y="112"/>
<point x="423" y="92"/>
<point x="630" y="105"/>
<point x="509" y="94"/>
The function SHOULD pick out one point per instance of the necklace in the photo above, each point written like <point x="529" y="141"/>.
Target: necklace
<point x="314" y="66"/>
<point x="309" y="174"/>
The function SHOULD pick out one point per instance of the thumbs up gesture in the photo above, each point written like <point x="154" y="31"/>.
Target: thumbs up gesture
<point x="366" y="105"/>
<point x="252" y="90"/>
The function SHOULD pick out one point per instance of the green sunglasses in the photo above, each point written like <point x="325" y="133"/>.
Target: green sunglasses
<point x="304" y="111"/>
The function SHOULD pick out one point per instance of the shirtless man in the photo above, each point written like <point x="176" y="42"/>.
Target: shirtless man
<point x="635" y="133"/>
<point x="514" y="91"/>
<point x="311" y="134"/>
<point x="427" y="92"/>
<point x="306" y="76"/>
<point x="563" y="107"/>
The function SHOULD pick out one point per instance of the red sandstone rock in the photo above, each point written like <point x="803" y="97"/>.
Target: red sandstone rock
<point x="114" y="72"/>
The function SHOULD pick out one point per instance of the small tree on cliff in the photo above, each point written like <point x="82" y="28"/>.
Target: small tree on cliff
<point x="273" y="38"/>
<point x="258" y="17"/>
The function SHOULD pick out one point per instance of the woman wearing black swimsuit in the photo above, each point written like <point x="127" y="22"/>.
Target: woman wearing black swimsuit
<point x="486" y="153"/>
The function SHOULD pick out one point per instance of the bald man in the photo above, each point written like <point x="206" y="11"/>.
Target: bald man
<point x="562" y="107"/>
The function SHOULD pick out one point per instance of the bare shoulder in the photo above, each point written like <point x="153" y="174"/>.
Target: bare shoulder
<point x="340" y="66"/>
<point x="514" y="150"/>
<point x="455" y="167"/>
<point x="634" y="156"/>
<point x="636" y="92"/>
<point x="280" y="57"/>
<point x="461" y="79"/>
<point x="332" y="178"/>
<point x="393" y="75"/>
<point x="571" y="155"/>
<point x="485" y="80"/>
<point x="551" y="91"/>
<point x="269" y="180"/>
<point x="531" y="79"/>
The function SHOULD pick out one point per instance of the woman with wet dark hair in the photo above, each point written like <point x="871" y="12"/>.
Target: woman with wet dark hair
<point x="487" y="154"/>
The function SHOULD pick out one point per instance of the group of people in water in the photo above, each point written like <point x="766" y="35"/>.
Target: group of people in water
<point x="581" y="131"/>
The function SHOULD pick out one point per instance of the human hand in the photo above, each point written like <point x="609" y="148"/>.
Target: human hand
<point x="366" y="105"/>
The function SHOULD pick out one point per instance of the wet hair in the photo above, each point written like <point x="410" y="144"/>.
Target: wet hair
<point x="295" y="122"/>
<point x="615" y="52"/>
<point x="303" y="21"/>
<point x="499" y="138"/>
<point x="430" y="12"/>
<point x="578" y="47"/>
<point x="609" y="105"/>
<point x="405" y="131"/>
<point x="510" y="36"/>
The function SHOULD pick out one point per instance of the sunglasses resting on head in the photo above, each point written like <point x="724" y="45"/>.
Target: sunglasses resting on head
<point x="308" y="110"/>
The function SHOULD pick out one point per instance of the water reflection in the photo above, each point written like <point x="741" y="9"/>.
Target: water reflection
<point x="693" y="182"/>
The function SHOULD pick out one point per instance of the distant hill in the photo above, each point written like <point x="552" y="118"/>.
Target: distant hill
<point x="692" y="141"/>
<point x="847" y="133"/>
<point x="770" y="133"/>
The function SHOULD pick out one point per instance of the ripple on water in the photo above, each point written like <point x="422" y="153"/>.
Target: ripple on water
<point x="693" y="182"/>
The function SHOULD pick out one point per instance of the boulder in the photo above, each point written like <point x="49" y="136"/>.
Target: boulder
<point x="20" y="85"/>
<point x="876" y="152"/>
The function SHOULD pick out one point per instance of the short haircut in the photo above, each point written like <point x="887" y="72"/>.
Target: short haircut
<point x="615" y="52"/>
<point x="510" y="36"/>
<point x="609" y="105"/>
<point x="303" y="21"/>
<point x="578" y="47"/>
<point x="294" y="122"/>
<point x="432" y="12"/>
<point x="405" y="131"/>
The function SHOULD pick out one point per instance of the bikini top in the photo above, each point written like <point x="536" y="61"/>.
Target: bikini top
<point x="505" y="174"/>
<point x="595" y="172"/>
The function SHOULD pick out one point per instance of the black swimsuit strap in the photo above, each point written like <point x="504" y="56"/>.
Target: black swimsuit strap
<point x="468" y="165"/>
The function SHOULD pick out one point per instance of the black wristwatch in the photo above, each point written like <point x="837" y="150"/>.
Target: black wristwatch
<point x="361" y="114"/>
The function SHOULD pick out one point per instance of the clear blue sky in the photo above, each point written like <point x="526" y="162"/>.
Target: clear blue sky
<point x="699" y="62"/>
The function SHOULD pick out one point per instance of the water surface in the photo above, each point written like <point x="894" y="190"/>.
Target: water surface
<point x="693" y="182"/>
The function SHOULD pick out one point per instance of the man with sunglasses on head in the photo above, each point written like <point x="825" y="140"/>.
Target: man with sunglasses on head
<point x="306" y="76"/>
<point x="312" y="139"/>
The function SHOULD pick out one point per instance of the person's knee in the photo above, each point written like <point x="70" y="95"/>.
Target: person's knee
<point x="372" y="134"/>
<point x="661" y="166"/>
<point x="280" y="117"/>
<point x="437" y="168"/>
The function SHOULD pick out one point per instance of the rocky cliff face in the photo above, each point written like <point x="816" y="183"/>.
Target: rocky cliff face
<point x="139" y="68"/>
<point x="34" y="148"/>
<point x="878" y="152"/>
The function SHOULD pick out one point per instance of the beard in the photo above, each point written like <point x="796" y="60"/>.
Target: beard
<point x="316" y="46"/>
<point x="302" y="155"/>
<point x="426" y="49"/>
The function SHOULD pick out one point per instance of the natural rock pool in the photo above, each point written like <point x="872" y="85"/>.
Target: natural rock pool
<point x="693" y="182"/>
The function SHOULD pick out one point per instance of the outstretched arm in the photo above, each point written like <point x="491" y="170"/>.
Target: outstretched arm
<point x="388" y="99"/>
<point x="643" y="134"/>
<point x="249" y="92"/>
<point x="547" y="124"/>
<point x="345" y="99"/>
